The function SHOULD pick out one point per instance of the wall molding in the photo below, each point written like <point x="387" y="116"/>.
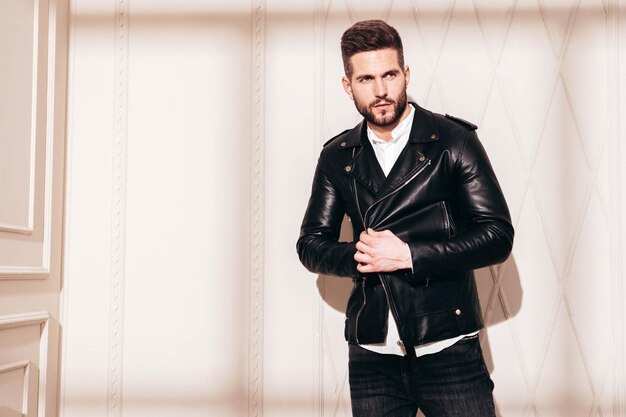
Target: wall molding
<point x="29" y="381"/>
<point x="321" y="11"/>
<point x="41" y="319"/>
<point x="118" y="213"/>
<point x="618" y="193"/>
<point x="255" y="372"/>
<point x="34" y="131"/>
<point x="45" y="11"/>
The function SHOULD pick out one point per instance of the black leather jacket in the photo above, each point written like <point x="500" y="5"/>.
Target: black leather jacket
<point x="441" y="197"/>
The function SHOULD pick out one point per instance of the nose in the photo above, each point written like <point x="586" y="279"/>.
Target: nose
<point x="380" y="89"/>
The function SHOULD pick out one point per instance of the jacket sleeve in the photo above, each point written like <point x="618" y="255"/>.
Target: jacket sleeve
<point x="488" y="237"/>
<point x="318" y="246"/>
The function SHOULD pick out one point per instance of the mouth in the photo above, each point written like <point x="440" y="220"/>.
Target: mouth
<point x="382" y="104"/>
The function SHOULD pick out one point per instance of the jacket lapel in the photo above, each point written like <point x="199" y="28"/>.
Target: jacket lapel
<point x="364" y="167"/>
<point x="411" y="160"/>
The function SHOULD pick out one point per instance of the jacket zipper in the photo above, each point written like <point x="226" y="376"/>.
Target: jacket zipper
<point x="383" y="281"/>
<point x="358" y="208"/>
<point x="448" y="219"/>
<point x="423" y="167"/>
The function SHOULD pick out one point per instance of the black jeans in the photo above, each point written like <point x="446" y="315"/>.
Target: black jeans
<point x="453" y="382"/>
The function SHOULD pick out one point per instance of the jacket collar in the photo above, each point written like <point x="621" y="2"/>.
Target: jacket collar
<point x="365" y="168"/>
<point x="423" y="130"/>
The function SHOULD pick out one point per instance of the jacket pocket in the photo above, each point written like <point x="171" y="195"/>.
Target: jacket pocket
<point x="448" y="221"/>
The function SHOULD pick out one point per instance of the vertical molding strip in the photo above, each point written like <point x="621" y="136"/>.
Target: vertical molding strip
<point x="320" y="36"/>
<point x="66" y="276"/>
<point x="617" y="194"/>
<point x="118" y="214"/>
<point x="255" y="382"/>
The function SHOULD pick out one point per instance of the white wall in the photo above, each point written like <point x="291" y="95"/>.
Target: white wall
<point x="193" y="132"/>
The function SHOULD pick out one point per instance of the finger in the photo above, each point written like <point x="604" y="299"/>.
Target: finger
<point x="368" y="268"/>
<point x="362" y="258"/>
<point x="362" y="247"/>
<point x="367" y="239"/>
<point x="373" y="233"/>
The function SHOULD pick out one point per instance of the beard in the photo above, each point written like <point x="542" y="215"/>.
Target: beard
<point x="387" y="117"/>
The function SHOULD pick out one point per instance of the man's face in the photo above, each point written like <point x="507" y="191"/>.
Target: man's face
<point x="378" y="86"/>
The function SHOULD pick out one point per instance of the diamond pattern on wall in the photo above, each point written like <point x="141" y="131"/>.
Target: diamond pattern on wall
<point x="506" y="368"/>
<point x="419" y="60"/>
<point x="532" y="74"/>
<point x="561" y="177"/>
<point x="540" y="288"/>
<point x="494" y="20"/>
<point x="463" y="71"/>
<point x="433" y="21"/>
<point x="588" y="289"/>
<point x="432" y="33"/>
<point x="527" y="74"/>
<point x="557" y="16"/>
<point x="563" y="387"/>
<point x="498" y="138"/>
<point x="589" y="95"/>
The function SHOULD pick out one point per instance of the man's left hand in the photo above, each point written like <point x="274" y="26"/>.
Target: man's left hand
<point x="381" y="252"/>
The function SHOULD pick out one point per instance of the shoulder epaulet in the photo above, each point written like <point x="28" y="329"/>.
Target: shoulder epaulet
<point x="335" y="137"/>
<point x="462" y="122"/>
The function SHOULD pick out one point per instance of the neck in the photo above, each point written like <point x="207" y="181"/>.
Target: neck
<point x="384" y="132"/>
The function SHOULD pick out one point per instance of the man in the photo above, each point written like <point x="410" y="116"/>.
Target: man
<point x="426" y="209"/>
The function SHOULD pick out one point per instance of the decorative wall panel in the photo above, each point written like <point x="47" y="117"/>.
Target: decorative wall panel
<point x="23" y="364"/>
<point x="19" y="29"/>
<point x="33" y="38"/>
<point x="18" y="389"/>
<point x="25" y="139"/>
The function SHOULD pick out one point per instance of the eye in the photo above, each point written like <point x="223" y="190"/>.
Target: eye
<point x="390" y="76"/>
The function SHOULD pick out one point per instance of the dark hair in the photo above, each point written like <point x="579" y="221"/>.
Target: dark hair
<point x="369" y="35"/>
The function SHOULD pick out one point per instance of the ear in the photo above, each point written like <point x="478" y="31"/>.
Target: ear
<point x="407" y="75"/>
<point x="347" y="86"/>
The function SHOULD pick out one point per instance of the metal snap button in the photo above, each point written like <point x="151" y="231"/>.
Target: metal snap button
<point x="348" y="168"/>
<point x="457" y="312"/>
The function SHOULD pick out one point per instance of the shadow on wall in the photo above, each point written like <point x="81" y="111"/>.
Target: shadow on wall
<point x="499" y="290"/>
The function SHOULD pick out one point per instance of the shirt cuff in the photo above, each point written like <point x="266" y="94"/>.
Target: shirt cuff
<point x="410" y="257"/>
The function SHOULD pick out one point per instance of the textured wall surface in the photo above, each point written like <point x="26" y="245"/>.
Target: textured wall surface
<point x="194" y="128"/>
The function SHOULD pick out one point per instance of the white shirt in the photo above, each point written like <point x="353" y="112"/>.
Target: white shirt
<point x="387" y="153"/>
